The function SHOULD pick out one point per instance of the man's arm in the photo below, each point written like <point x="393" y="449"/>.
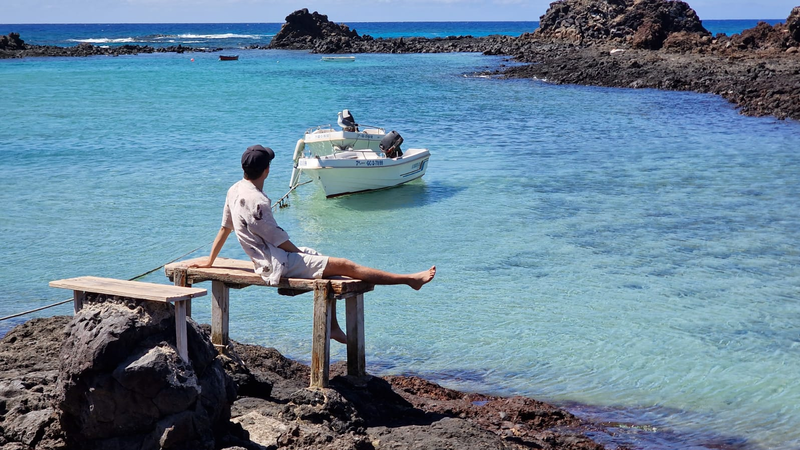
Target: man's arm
<point x="289" y="247"/>
<point x="219" y="241"/>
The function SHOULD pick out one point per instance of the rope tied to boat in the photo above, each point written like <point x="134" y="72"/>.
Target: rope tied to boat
<point x="282" y="203"/>
<point x="129" y="279"/>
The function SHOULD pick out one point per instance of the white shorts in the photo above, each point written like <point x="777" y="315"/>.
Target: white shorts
<point x="304" y="265"/>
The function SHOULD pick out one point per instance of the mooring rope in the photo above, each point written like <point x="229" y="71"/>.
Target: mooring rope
<point x="129" y="279"/>
<point x="280" y="203"/>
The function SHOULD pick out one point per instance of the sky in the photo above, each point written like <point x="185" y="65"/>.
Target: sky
<point x="340" y="11"/>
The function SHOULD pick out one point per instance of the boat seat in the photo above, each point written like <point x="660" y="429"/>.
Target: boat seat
<point x="344" y="155"/>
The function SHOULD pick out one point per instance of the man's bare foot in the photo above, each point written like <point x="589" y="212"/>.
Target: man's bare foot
<point x="420" y="278"/>
<point x="338" y="335"/>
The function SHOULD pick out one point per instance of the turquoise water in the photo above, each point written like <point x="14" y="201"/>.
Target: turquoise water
<point x="632" y="254"/>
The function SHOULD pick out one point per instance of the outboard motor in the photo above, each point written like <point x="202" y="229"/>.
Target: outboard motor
<point x="390" y="144"/>
<point x="347" y="122"/>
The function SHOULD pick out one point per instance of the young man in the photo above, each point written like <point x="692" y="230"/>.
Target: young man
<point x="248" y="212"/>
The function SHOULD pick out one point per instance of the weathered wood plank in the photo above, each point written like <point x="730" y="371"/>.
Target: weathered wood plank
<point x="78" y="297"/>
<point x="181" y="340"/>
<point x="320" y="343"/>
<point x="181" y="280"/>
<point x="220" y="304"/>
<point x="356" y="360"/>
<point x="240" y="272"/>
<point x="132" y="289"/>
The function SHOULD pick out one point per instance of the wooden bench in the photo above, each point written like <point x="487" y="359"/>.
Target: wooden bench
<point x="139" y="290"/>
<point x="233" y="273"/>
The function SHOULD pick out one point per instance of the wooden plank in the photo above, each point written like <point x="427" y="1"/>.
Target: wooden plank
<point x="78" y="298"/>
<point x="320" y="343"/>
<point x="220" y="303"/>
<point x="133" y="289"/>
<point x="181" y="340"/>
<point x="356" y="360"/>
<point x="181" y="280"/>
<point x="240" y="272"/>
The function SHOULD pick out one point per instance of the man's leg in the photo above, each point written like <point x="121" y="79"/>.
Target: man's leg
<point x="347" y="268"/>
<point x="336" y="331"/>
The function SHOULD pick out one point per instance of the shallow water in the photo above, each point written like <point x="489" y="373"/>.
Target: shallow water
<point x="632" y="250"/>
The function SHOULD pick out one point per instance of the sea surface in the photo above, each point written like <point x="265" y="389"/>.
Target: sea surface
<point x="633" y="255"/>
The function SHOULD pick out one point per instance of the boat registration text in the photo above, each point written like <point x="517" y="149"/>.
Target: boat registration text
<point x="369" y="163"/>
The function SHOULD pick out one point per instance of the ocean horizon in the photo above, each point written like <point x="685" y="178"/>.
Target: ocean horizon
<point x="630" y="255"/>
<point x="241" y="35"/>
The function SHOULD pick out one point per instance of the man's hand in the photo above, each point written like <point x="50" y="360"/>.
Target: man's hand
<point x="201" y="264"/>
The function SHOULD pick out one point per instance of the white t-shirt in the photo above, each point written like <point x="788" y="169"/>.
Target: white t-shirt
<point x="248" y="212"/>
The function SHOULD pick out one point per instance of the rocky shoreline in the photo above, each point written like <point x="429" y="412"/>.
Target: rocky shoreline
<point x="656" y="44"/>
<point x="615" y="43"/>
<point x="109" y="377"/>
<point x="12" y="46"/>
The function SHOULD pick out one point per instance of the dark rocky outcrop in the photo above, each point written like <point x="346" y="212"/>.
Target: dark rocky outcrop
<point x="122" y="384"/>
<point x="302" y="29"/>
<point x="793" y="23"/>
<point x="110" y="378"/>
<point x="640" y="23"/>
<point x="11" y="42"/>
<point x="12" y="46"/>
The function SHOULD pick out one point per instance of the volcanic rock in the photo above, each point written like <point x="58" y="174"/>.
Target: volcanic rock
<point x="303" y="29"/>
<point x="641" y="23"/>
<point x="122" y="383"/>
<point x="793" y="23"/>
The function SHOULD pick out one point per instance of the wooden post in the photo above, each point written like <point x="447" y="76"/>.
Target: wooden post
<point x="219" y="314"/>
<point x="356" y="361"/>
<point x="78" y="297"/>
<point x="181" y="340"/>
<point x="181" y="280"/>
<point x="320" y="341"/>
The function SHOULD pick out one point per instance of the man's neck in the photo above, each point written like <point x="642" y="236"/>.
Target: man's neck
<point x="258" y="183"/>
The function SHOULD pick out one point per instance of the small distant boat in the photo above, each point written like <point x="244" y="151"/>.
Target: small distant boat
<point x="339" y="58"/>
<point x="350" y="161"/>
<point x="229" y="57"/>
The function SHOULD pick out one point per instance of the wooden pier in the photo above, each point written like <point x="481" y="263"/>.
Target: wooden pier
<point x="233" y="273"/>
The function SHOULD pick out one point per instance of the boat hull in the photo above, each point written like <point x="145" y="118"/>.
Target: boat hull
<point x="360" y="171"/>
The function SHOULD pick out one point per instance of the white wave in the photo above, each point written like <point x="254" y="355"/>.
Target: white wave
<point x="218" y="36"/>
<point x="104" y="40"/>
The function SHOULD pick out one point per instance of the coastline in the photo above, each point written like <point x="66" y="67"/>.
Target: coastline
<point x="626" y="54"/>
<point x="757" y="70"/>
<point x="274" y="408"/>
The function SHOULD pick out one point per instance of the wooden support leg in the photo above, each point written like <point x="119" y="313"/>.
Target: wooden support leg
<point x="356" y="362"/>
<point x="219" y="314"/>
<point x="78" y="297"/>
<point x="179" y="275"/>
<point x="181" y="340"/>
<point x="320" y="344"/>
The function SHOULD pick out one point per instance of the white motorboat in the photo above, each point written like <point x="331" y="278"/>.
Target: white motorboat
<point x="322" y="139"/>
<point x="366" y="165"/>
<point x="352" y="171"/>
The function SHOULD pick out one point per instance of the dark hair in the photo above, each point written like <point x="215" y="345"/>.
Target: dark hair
<point x="251" y="173"/>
